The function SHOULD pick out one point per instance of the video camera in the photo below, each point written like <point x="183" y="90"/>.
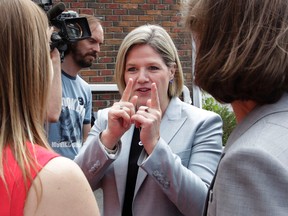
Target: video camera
<point x="68" y="25"/>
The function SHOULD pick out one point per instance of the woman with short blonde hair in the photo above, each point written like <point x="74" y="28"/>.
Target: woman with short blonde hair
<point x="146" y="151"/>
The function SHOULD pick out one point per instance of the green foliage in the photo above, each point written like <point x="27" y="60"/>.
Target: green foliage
<point x="228" y="117"/>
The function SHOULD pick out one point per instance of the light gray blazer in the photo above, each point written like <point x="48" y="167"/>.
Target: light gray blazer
<point x="174" y="179"/>
<point x="252" y="178"/>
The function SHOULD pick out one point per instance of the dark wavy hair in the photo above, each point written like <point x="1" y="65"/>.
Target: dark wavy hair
<point x="241" y="48"/>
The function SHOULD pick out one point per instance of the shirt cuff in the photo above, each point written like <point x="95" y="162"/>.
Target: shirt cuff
<point x="109" y="151"/>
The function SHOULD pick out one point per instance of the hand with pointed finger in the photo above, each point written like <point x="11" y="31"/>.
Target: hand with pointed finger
<point x="148" y="118"/>
<point x="119" y="117"/>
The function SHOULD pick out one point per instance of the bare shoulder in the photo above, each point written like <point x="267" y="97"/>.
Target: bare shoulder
<point x="61" y="188"/>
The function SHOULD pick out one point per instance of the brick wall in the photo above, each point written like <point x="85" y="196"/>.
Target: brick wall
<point x="118" y="18"/>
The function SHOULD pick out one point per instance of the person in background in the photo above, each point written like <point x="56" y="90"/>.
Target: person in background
<point x="242" y="59"/>
<point x="67" y="135"/>
<point x="33" y="179"/>
<point x="151" y="153"/>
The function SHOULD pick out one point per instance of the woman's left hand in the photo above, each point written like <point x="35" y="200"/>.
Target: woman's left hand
<point x="148" y="119"/>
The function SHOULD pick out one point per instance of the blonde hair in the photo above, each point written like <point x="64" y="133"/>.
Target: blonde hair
<point x="25" y="69"/>
<point x="158" y="38"/>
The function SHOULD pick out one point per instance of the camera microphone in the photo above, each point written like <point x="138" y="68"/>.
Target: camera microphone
<point x="56" y="10"/>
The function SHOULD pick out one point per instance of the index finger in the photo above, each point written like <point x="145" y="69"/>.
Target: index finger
<point x="154" y="103"/>
<point x="127" y="91"/>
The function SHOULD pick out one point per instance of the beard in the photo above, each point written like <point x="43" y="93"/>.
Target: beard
<point x="83" y="60"/>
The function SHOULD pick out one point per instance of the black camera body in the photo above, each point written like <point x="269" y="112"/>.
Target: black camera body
<point x="69" y="27"/>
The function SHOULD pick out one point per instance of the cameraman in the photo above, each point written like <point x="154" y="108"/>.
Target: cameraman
<point x="67" y="135"/>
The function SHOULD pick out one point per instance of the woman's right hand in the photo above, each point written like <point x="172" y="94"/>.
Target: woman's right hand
<point x="119" y="117"/>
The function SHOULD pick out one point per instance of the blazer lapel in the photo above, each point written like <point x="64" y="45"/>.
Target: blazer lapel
<point x="172" y="120"/>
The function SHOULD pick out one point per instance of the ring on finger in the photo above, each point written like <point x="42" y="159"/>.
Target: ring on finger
<point x="121" y="107"/>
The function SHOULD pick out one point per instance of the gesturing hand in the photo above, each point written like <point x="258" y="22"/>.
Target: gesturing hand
<point x="119" y="117"/>
<point x="148" y="119"/>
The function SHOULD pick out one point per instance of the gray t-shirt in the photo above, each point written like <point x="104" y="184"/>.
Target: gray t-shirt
<point x="66" y="135"/>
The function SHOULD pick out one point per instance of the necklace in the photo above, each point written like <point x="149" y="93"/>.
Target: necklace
<point x="140" y="143"/>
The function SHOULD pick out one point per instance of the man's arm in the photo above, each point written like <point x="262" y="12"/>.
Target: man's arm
<point x="86" y="129"/>
<point x="55" y="94"/>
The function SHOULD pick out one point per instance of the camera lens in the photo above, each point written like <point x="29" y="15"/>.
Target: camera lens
<point x="74" y="31"/>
